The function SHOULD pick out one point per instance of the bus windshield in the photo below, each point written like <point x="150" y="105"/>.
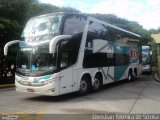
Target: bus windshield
<point x="41" y="28"/>
<point x="35" y="60"/>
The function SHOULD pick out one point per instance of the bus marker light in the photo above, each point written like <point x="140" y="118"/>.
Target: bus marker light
<point x="53" y="89"/>
<point x="36" y="78"/>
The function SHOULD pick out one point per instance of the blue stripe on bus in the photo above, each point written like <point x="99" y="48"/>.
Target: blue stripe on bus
<point x="23" y="44"/>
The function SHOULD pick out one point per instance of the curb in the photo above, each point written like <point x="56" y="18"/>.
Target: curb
<point x="6" y="86"/>
<point x="156" y="78"/>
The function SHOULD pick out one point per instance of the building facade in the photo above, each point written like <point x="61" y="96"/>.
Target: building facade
<point x="156" y="37"/>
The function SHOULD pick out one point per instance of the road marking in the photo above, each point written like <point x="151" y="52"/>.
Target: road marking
<point x="137" y="100"/>
<point x="25" y="116"/>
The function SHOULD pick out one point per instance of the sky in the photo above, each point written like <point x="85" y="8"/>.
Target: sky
<point x="145" y="12"/>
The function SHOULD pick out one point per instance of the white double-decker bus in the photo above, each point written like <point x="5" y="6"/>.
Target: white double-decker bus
<point x="61" y="53"/>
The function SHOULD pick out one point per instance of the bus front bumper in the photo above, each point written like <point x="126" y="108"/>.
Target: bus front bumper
<point x="49" y="89"/>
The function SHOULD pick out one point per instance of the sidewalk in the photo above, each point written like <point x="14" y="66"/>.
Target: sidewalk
<point x="6" y="86"/>
<point x="157" y="77"/>
<point x="7" y="82"/>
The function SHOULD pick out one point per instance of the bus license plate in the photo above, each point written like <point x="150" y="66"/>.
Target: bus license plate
<point x="25" y="79"/>
<point x="30" y="90"/>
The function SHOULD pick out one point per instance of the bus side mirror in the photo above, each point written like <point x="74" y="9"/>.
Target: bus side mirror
<point x="9" y="44"/>
<point x="54" y="41"/>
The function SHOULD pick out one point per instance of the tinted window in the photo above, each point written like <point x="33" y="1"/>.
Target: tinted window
<point x="42" y="28"/>
<point x="122" y="37"/>
<point x="74" y="24"/>
<point x="68" y="51"/>
<point x="96" y="31"/>
<point x="106" y="38"/>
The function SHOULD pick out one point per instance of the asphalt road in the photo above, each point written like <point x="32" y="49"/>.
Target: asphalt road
<point x="139" y="96"/>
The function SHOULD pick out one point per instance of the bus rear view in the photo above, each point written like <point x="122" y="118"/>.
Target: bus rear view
<point x="146" y="59"/>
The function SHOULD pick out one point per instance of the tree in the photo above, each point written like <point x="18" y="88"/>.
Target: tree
<point x="9" y="30"/>
<point x="41" y="8"/>
<point x="15" y="9"/>
<point x="154" y="52"/>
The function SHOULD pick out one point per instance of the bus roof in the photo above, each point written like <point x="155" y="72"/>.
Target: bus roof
<point x="90" y="18"/>
<point x="118" y="28"/>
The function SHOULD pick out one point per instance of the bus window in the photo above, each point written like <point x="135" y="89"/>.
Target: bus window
<point x="92" y="56"/>
<point x="74" y="24"/>
<point x="42" y="28"/>
<point x="96" y="31"/>
<point x="69" y="51"/>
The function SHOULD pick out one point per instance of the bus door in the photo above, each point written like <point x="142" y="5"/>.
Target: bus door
<point x="65" y="66"/>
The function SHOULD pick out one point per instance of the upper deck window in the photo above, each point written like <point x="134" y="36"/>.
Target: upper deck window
<point x="74" y="24"/>
<point x="42" y="26"/>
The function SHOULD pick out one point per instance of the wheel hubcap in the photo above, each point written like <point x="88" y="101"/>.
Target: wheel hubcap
<point x="129" y="77"/>
<point x="96" y="83"/>
<point x="83" y="86"/>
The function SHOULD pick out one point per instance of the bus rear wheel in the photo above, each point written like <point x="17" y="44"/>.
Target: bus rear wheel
<point x="84" y="86"/>
<point x="96" y="84"/>
<point x="130" y="76"/>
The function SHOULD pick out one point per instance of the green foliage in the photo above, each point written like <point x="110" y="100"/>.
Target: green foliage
<point x="154" y="52"/>
<point x="68" y="9"/>
<point x="15" y="9"/>
<point x="39" y="9"/>
<point x="9" y="29"/>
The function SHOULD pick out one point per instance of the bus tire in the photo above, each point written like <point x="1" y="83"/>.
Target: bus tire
<point x="130" y="76"/>
<point x="135" y="73"/>
<point x="85" y="85"/>
<point x="97" y="83"/>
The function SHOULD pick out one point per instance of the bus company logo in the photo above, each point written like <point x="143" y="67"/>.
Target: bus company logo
<point x="133" y="54"/>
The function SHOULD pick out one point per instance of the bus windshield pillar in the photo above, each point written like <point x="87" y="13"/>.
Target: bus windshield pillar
<point x="53" y="42"/>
